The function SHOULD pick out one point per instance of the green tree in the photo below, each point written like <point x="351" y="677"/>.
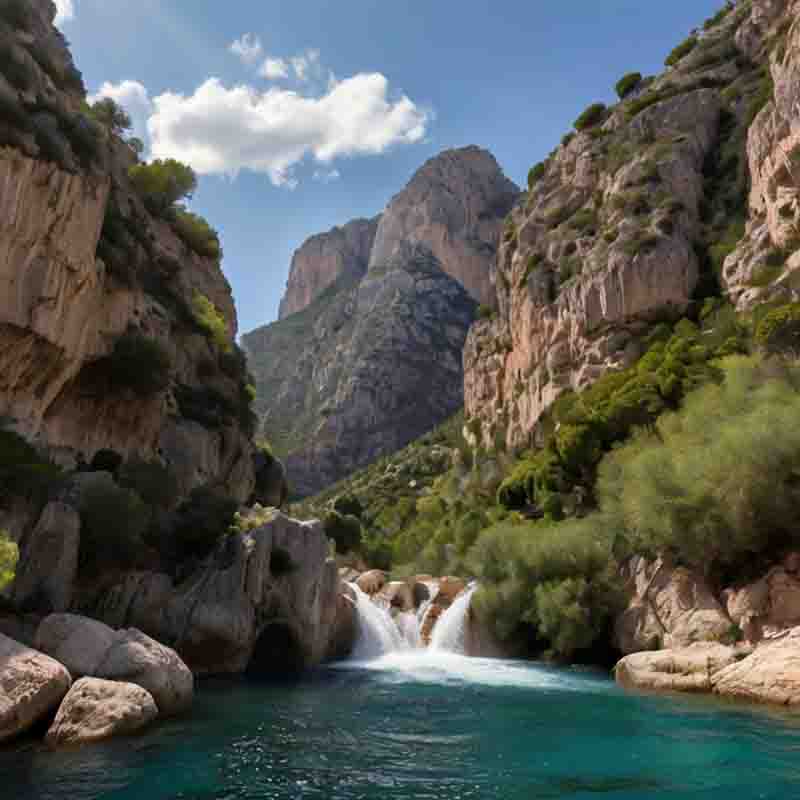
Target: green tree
<point x="211" y="322"/>
<point x="110" y="114"/>
<point x="162" y="183"/>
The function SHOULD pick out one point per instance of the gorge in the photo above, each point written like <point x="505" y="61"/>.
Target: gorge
<point x="508" y="464"/>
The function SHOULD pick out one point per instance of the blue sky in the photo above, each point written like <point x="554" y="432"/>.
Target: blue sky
<point x="374" y="89"/>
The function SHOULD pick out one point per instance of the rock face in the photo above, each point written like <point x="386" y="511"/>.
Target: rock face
<point x="90" y="648"/>
<point x="380" y="366"/>
<point x="765" y="264"/>
<point x="372" y="359"/>
<point x="267" y="600"/>
<point x="669" y="607"/>
<point x="455" y="205"/>
<point x="94" y="710"/>
<point x="84" y="263"/>
<point x="341" y="253"/>
<point x="31" y="686"/>
<point x="628" y="223"/>
<point x="46" y="576"/>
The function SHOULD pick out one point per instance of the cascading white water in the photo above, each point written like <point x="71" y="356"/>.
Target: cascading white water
<point x="450" y="629"/>
<point x="377" y="632"/>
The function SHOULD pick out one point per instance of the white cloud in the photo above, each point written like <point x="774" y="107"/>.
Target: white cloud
<point x="222" y="131"/>
<point x="274" y="68"/>
<point x="65" y="10"/>
<point x="326" y="176"/>
<point x="306" y="65"/>
<point x="248" y="48"/>
<point x="134" y="98"/>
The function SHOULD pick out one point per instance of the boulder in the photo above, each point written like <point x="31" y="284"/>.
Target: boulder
<point x="346" y="628"/>
<point x="670" y="607"/>
<point x="49" y="561"/>
<point x="449" y="589"/>
<point x="95" y="709"/>
<point x="371" y="582"/>
<point x="80" y="643"/>
<point x="136" y="658"/>
<point x="771" y="674"/>
<point x="397" y="595"/>
<point x="688" y="669"/>
<point x="31" y="686"/>
<point x="90" y="648"/>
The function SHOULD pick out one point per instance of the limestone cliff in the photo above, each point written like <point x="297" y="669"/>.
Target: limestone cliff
<point x="84" y="268"/>
<point x="628" y="221"/>
<point x="341" y="253"/>
<point x="454" y="204"/>
<point x="373" y="359"/>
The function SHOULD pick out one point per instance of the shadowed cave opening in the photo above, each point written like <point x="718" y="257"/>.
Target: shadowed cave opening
<point x="277" y="653"/>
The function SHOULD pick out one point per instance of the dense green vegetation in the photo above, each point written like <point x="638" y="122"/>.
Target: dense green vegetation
<point x="162" y="184"/>
<point x="138" y="364"/>
<point x="681" y="51"/>
<point x="9" y="555"/>
<point x="24" y="473"/>
<point x="197" y="233"/>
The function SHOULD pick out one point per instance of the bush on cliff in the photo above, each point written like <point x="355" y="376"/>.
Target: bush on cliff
<point x="156" y="484"/>
<point x="113" y="521"/>
<point x="627" y="83"/>
<point x="197" y="234"/>
<point x="593" y="115"/>
<point x="344" y="530"/>
<point x="138" y="364"/>
<point x="111" y="115"/>
<point x="203" y="520"/>
<point x="161" y="184"/>
<point x="779" y="330"/>
<point x="9" y="555"/>
<point x="24" y="473"/>
<point x="681" y="51"/>
<point x="211" y="322"/>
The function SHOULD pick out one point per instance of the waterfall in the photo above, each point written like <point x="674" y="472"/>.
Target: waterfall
<point x="377" y="632"/>
<point x="450" y="629"/>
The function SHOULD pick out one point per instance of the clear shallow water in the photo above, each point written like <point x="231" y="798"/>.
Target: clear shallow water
<point x="430" y="726"/>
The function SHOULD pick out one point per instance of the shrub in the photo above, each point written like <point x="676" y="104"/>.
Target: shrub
<point x="715" y="487"/>
<point x="113" y="521"/>
<point x="202" y="521"/>
<point x="558" y="582"/>
<point x="485" y="312"/>
<point x="111" y="115"/>
<point x="156" y="484"/>
<point x="348" y="504"/>
<point x="211" y="321"/>
<point x="23" y="472"/>
<point x="628" y="83"/>
<point x="161" y="184"/>
<point x="137" y="363"/>
<point x="593" y="115"/>
<point x="9" y="556"/>
<point x="681" y="51"/>
<point x="535" y="174"/>
<point x="197" y="234"/>
<point x="779" y="330"/>
<point x="345" y="530"/>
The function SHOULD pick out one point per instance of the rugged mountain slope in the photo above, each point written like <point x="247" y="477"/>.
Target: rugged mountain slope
<point x="379" y="364"/>
<point x="90" y="279"/>
<point x="630" y="219"/>
<point x="340" y="254"/>
<point x="373" y="360"/>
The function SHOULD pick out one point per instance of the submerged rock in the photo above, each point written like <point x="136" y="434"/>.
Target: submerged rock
<point x="31" y="686"/>
<point x="95" y="709"/>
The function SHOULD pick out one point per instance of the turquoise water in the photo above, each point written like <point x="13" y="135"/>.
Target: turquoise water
<point x="430" y="727"/>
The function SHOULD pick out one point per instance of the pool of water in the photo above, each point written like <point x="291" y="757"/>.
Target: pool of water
<point x="430" y="726"/>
